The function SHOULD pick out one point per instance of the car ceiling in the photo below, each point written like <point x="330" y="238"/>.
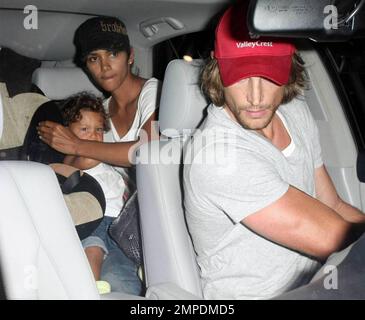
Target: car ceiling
<point x="58" y="20"/>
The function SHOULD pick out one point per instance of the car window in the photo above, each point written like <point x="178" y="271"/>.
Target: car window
<point x="2" y="290"/>
<point x="197" y="45"/>
<point x="346" y="64"/>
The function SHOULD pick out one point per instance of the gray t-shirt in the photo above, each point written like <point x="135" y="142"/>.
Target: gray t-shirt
<point x="234" y="172"/>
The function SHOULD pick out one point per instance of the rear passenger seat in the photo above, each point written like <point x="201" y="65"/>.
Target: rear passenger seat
<point x="1" y="117"/>
<point x="60" y="82"/>
<point x="56" y="83"/>
<point x="16" y="115"/>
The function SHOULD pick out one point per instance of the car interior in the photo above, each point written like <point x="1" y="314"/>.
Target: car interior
<point x="41" y="256"/>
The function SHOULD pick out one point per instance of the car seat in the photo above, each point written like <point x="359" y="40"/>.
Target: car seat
<point x="41" y="256"/>
<point x="16" y="114"/>
<point x="171" y="271"/>
<point x="1" y="117"/>
<point x="40" y="253"/>
<point x="60" y="82"/>
<point x="56" y="83"/>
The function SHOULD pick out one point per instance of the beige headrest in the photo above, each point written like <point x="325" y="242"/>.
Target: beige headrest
<point x="17" y="113"/>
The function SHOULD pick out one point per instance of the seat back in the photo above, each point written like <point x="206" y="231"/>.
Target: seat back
<point x="16" y="113"/>
<point x="169" y="256"/>
<point x="60" y="82"/>
<point x="1" y="117"/>
<point x="339" y="151"/>
<point x="15" y="117"/>
<point x="167" y="248"/>
<point x="41" y="254"/>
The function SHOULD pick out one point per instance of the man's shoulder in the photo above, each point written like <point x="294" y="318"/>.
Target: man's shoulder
<point x="297" y="107"/>
<point x="297" y="111"/>
<point x="217" y="120"/>
<point x="219" y="149"/>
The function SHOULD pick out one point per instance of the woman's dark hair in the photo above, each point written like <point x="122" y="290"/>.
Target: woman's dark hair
<point x="71" y="110"/>
<point x="102" y="32"/>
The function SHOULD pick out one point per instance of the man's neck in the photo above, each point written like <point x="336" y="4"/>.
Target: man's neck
<point x="275" y="131"/>
<point x="269" y="132"/>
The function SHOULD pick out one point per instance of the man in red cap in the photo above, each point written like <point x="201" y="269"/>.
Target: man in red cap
<point x="264" y="218"/>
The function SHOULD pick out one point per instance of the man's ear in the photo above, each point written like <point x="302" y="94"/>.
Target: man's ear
<point x="131" y="57"/>
<point x="212" y="54"/>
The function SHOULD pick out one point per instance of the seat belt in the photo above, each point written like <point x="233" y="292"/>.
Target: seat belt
<point x="71" y="182"/>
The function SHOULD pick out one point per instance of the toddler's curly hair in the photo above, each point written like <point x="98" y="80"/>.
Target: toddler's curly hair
<point x="71" y="110"/>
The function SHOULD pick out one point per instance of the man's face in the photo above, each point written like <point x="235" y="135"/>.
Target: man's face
<point x="253" y="101"/>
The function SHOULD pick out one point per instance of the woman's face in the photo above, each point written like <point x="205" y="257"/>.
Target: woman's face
<point x="109" y="68"/>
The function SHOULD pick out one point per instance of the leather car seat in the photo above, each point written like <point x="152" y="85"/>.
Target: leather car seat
<point x="171" y="271"/>
<point x="61" y="82"/>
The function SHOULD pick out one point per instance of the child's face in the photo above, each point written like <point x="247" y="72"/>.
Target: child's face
<point x="90" y="127"/>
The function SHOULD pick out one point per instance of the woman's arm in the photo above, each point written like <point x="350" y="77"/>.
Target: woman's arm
<point x="63" y="140"/>
<point x="150" y="130"/>
<point x="80" y="162"/>
<point x="63" y="169"/>
<point x="118" y="154"/>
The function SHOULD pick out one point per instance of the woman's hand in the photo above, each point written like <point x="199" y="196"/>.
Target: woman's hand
<point x="58" y="137"/>
<point x="63" y="140"/>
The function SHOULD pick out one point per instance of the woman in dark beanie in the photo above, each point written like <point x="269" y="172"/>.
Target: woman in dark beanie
<point x="103" y="49"/>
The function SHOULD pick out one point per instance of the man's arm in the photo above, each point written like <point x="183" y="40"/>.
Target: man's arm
<point x="326" y="193"/>
<point x="304" y="224"/>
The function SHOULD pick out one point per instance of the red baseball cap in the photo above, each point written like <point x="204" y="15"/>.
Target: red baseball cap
<point x="241" y="57"/>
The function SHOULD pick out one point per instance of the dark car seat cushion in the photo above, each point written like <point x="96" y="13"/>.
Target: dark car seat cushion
<point x="16" y="71"/>
<point x="17" y="115"/>
<point x="83" y="195"/>
<point x="34" y="149"/>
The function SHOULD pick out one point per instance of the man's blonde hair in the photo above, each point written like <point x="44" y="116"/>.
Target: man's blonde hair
<point x="212" y="86"/>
